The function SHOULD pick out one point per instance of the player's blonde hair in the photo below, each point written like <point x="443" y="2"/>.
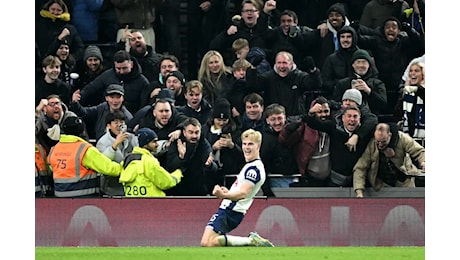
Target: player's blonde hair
<point x="252" y="135"/>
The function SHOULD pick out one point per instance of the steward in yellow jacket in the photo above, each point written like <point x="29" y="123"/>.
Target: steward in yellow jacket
<point x="142" y="174"/>
<point x="76" y="163"/>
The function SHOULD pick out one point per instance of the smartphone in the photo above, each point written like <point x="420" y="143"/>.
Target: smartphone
<point x="123" y="128"/>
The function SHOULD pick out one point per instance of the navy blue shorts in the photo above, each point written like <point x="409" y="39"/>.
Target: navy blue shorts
<point x="225" y="220"/>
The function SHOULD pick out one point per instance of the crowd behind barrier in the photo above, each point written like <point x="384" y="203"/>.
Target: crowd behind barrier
<point x="273" y="81"/>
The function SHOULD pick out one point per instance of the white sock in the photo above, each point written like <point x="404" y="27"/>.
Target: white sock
<point x="235" y="240"/>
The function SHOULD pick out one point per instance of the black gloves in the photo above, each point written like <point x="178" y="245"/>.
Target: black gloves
<point x="355" y="25"/>
<point x="406" y="27"/>
<point x="309" y="63"/>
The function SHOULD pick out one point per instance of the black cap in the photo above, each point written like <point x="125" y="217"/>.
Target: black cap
<point x="115" y="89"/>
<point x="166" y="94"/>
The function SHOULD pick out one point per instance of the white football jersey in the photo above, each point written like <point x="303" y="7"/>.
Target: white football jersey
<point x="253" y="172"/>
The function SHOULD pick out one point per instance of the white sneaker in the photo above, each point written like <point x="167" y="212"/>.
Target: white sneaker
<point x="260" y="241"/>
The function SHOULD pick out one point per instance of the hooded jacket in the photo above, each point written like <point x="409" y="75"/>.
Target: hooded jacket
<point x="145" y="177"/>
<point x="337" y="65"/>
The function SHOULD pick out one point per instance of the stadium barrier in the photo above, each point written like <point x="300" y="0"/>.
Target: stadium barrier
<point x="180" y="221"/>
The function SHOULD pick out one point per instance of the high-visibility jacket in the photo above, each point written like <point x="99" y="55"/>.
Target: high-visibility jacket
<point x="143" y="175"/>
<point x="75" y="164"/>
<point x="43" y="175"/>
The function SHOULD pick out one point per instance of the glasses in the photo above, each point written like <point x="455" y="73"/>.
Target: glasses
<point x="249" y="11"/>
<point x="52" y="104"/>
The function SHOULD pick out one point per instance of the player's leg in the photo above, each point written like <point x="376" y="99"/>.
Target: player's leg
<point x="224" y="221"/>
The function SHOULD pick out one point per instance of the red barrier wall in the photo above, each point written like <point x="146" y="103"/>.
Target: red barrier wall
<point x="180" y="222"/>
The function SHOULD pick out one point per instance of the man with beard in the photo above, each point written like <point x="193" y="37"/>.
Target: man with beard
<point x="382" y="171"/>
<point x="165" y="120"/>
<point x="193" y="154"/>
<point x="126" y="72"/>
<point x="311" y="148"/>
<point x="342" y="158"/>
<point x="49" y="116"/>
<point x="145" y="55"/>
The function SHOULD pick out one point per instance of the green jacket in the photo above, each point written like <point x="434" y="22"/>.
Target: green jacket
<point x="145" y="177"/>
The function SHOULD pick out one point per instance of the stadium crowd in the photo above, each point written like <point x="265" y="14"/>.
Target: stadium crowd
<point x="336" y="88"/>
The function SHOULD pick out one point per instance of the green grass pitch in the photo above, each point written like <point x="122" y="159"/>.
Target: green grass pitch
<point x="235" y="253"/>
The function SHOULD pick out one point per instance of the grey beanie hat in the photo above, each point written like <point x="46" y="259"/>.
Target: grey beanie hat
<point x="92" y="51"/>
<point x="353" y="94"/>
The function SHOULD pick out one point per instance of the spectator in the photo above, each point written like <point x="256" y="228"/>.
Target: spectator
<point x="125" y="72"/>
<point x="68" y="64"/>
<point x="214" y="76"/>
<point x="372" y="89"/>
<point x="253" y="114"/>
<point x="139" y="15"/>
<point x="375" y="12"/>
<point x="94" y="116"/>
<point x="410" y="111"/>
<point x="337" y="65"/>
<point x="145" y="55"/>
<point x="52" y="27"/>
<point x="238" y="199"/>
<point x="116" y="143"/>
<point x="286" y="84"/>
<point x="89" y="68"/>
<point x="379" y="170"/>
<point x="167" y="64"/>
<point x="142" y="174"/>
<point x="255" y="55"/>
<point x="368" y="120"/>
<point x="290" y="36"/>
<point x="327" y="39"/>
<point x="197" y="106"/>
<point x="79" y="178"/>
<point x="277" y="158"/>
<point x="85" y="19"/>
<point x="247" y="26"/>
<point x="205" y="19"/>
<point x="224" y="135"/>
<point x="175" y="81"/>
<point x="49" y="117"/>
<point x="311" y="148"/>
<point x="405" y="76"/>
<point x="342" y="157"/>
<point x="166" y="121"/>
<point x="193" y="153"/>
<point x="50" y="82"/>
<point x="239" y="87"/>
<point x="402" y="49"/>
<point x="165" y="94"/>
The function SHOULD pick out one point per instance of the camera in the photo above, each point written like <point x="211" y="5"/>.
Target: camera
<point x="123" y="128"/>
